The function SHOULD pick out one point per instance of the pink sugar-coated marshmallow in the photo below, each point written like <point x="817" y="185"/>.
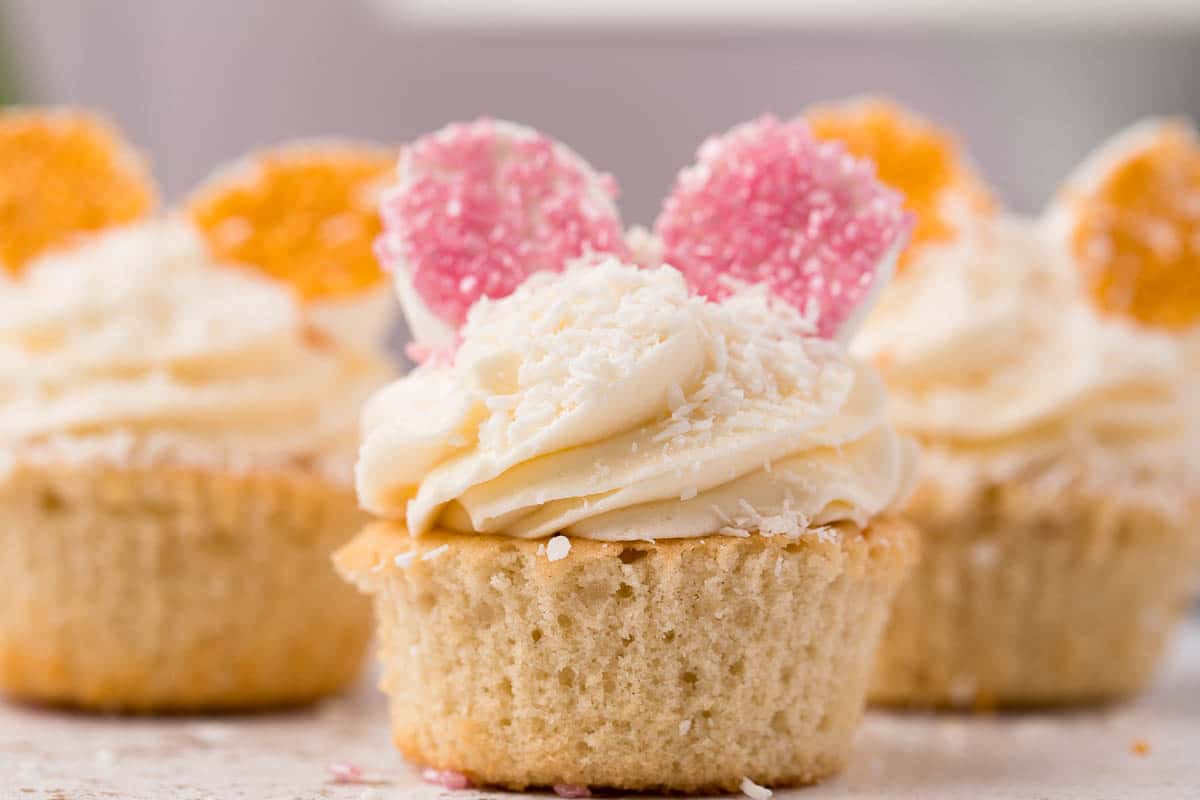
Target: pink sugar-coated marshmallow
<point x="480" y="206"/>
<point x="769" y="203"/>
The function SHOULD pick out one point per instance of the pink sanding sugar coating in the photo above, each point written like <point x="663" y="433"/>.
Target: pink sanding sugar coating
<point x="768" y="203"/>
<point x="572" y="790"/>
<point x="446" y="778"/>
<point x="479" y="209"/>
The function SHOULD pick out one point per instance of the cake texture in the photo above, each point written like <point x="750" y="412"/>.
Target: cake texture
<point x="1044" y="588"/>
<point x="682" y="665"/>
<point x="173" y="588"/>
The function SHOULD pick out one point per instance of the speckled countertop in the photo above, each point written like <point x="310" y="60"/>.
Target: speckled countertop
<point x="1146" y="750"/>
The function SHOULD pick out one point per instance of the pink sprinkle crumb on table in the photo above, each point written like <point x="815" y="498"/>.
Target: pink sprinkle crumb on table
<point x="572" y="790"/>
<point x="344" y="772"/>
<point x="446" y="778"/>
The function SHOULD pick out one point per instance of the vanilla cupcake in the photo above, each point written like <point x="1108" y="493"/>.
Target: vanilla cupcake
<point x="1059" y="490"/>
<point x="634" y="537"/>
<point x="176" y="445"/>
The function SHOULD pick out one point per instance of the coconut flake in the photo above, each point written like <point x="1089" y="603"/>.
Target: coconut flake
<point x="754" y="791"/>
<point x="557" y="548"/>
<point x="435" y="553"/>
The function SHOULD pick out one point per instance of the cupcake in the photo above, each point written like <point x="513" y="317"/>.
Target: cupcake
<point x="176" y="445"/>
<point x="1042" y="366"/>
<point x="633" y="536"/>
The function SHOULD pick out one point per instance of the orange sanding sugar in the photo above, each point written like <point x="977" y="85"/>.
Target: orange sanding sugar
<point x="913" y="157"/>
<point x="305" y="214"/>
<point x="63" y="173"/>
<point x="1137" y="234"/>
<point x="1140" y="747"/>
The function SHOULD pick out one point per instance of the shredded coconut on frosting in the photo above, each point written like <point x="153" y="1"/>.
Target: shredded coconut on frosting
<point x="610" y="403"/>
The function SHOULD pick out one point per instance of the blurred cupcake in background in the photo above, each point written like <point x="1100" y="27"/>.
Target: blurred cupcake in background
<point x="177" y="440"/>
<point x="1043" y="368"/>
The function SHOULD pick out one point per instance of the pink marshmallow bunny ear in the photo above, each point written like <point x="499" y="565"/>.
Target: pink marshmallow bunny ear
<point x="768" y="203"/>
<point x="478" y="208"/>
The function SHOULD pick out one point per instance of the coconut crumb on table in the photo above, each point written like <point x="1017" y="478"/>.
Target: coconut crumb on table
<point x="754" y="791"/>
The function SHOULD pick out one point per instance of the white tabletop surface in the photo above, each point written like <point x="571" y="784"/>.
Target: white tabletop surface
<point x="1147" y="750"/>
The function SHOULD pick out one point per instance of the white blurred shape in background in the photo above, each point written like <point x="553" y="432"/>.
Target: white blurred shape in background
<point x="634" y="85"/>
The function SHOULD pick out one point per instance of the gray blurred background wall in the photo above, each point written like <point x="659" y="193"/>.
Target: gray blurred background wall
<point x="197" y="83"/>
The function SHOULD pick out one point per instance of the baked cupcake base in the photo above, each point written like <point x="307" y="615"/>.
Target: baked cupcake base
<point x="683" y="665"/>
<point x="1038" y="592"/>
<point x="174" y="589"/>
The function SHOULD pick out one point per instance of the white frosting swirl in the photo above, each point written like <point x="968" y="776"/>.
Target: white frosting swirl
<point x="991" y="344"/>
<point x="607" y="403"/>
<point x="138" y="335"/>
